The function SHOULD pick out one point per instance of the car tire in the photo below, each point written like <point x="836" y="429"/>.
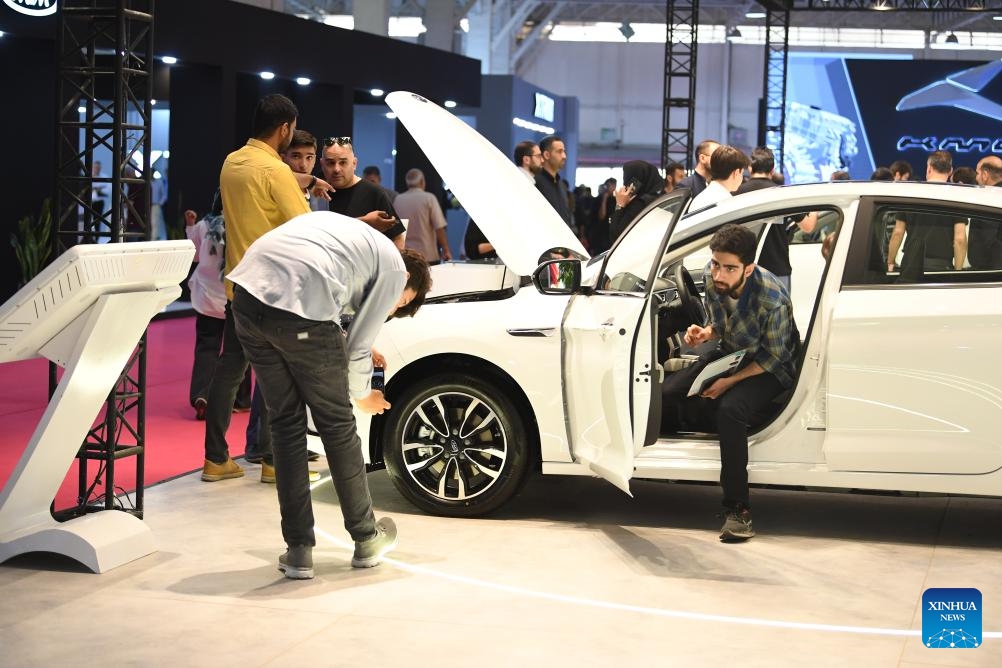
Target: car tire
<point x="456" y="446"/>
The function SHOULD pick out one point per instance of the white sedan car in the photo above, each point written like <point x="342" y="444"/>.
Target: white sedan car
<point x="557" y="366"/>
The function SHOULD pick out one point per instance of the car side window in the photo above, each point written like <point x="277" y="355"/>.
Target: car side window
<point x="924" y="244"/>
<point x="629" y="264"/>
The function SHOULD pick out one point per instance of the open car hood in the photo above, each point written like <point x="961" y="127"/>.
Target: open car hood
<point x="511" y="213"/>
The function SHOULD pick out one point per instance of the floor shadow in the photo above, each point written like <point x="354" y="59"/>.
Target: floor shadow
<point x="930" y="520"/>
<point x="332" y="572"/>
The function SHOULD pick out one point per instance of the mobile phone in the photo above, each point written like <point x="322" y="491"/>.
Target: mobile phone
<point x="634" y="186"/>
<point x="378" y="378"/>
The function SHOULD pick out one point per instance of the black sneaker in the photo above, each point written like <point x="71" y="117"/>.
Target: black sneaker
<point x="369" y="553"/>
<point x="737" y="526"/>
<point x="297" y="562"/>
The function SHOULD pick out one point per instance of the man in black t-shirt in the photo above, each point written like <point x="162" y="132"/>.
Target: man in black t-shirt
<point x="934" y="242"/>
<point x="354" y="196"/>
<point x="985" y="248"/>
<point x="775" y="255"/>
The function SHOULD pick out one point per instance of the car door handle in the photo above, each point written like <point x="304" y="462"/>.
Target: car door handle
<point x="532" y="331"/>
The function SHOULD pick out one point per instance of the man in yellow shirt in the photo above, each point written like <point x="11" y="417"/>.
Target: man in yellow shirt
<point x="259" y="193"/>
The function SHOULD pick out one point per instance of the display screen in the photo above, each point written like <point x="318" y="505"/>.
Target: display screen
<point x="544" y="107"/>
<point x="856" y="114"/>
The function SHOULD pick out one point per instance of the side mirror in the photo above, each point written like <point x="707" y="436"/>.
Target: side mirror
<point x="558" y="277"/>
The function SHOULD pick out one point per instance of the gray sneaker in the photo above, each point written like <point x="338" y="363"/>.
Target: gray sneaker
<point x="369" y="553"/>
<point x="297" y="562"/>
<point x="737" y="526"/>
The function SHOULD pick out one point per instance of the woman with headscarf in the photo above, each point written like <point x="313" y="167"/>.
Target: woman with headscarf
<point x="641" y="185"/>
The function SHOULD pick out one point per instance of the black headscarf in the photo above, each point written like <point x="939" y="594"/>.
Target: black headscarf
<point x="649" y="187"/>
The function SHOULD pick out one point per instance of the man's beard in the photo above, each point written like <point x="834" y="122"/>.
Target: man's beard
<point x="732" y="292"/>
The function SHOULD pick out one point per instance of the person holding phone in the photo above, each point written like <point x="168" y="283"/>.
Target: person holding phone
<point x="641" y="185"/>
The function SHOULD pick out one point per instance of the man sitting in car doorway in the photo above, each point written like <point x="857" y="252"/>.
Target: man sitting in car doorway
<point x="749" y="310"/>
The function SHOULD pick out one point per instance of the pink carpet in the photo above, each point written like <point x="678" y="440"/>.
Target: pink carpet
<point x="174" y="439"/>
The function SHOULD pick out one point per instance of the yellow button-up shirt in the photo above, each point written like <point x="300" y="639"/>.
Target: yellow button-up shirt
<point x="259" y="193"/>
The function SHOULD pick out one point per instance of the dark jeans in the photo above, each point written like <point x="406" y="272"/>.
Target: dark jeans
<point x="729" y="416"/>
<point x="231" y="368"/>
<point x="208" y="340"/>
<point x="302" y="363"/>
<point x="254" y="423"/>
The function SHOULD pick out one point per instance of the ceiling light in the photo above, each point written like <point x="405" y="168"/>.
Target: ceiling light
<point x="82" y="110"/>
<point x="169" y="60"/>
<point x="377" y="92"/>
<point x="882" y="6"/>
<point x="153" y="103"/>
<point x="997" y="17"/>
<point x="267" y="76"/>
<point x="390" y="115"/>
<point x="450" y="104"/>
<point x="303" y="81"/>
<point x="755" y="15"/>
<point x="627" y="30"/>
<point x="2" y="33"/>
<point x="951" y="39"/>
<point x="733" y="33"/>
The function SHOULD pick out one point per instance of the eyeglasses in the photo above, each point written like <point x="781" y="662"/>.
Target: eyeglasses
<point x="340" y="141"/>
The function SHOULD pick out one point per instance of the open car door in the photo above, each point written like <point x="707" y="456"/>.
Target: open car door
<point x="611" y="376"/>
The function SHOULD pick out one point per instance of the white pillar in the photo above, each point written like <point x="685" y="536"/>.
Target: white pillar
<point x="439" y="20"/>
<point x="372" y="16"/>
<point x="485" y="21"/>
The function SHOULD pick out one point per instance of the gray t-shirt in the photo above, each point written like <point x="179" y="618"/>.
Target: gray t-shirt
<point x="321" y="265"/>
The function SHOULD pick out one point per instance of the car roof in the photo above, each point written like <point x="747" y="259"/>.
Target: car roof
<point x="839" y="193"/>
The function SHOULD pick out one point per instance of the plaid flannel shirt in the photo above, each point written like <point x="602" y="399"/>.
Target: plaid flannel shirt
<point x="762" y="323"/>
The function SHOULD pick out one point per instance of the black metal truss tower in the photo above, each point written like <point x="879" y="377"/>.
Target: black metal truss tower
<point x="104" y="101"/>
<point x="679" y="112"/>
<point x="777" y="39"/>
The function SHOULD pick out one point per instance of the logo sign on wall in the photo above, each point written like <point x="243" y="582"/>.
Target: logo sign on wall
<point x="951" y="618"/>
<point x="32" y="7"/>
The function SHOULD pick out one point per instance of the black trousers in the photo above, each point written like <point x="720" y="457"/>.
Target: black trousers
<point x="208" y="341"/>
<point x="730" y="416"/>
<point x="231" y="368"/>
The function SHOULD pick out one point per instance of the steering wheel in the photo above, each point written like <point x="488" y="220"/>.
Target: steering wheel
<point x="689" y="303"/>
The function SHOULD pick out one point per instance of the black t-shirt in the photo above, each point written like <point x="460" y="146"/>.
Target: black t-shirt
<point x="933" y="230"/>
<point x="362" y="198"/>
<point x="555" y="192"/>
<point x="775" y="254"/>
<point x="472" y="240"/>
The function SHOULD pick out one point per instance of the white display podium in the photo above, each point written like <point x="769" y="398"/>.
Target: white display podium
<point x="86" y="312"/>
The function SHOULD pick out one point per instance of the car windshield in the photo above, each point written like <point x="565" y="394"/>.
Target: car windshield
<point x="629" y="263"/>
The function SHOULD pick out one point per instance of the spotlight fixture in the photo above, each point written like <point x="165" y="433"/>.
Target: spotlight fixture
<point x="377" y="92"/>
<point x="153" y="103"/>
<point x="267" y="76"/>
<point x="997" y="17"/>
<point x="754" y="15"/>
<point x="303" y="81"/>
<point x="733" y="33"/>
<point x="169" y="60"/>
<point x="450" y="104"/>
<point x="390" y="115"/>
<point x="627" y="30"/>
<point x="951" y="39"/>
<point x="81" y="110"/>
